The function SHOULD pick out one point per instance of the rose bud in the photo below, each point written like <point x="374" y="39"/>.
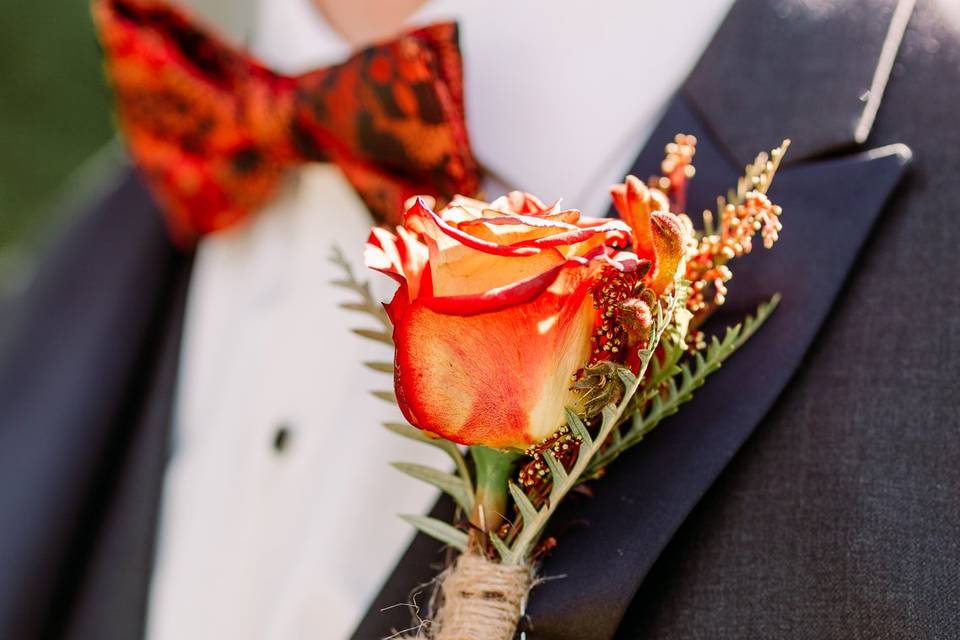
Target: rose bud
<point x="634" y="202"/>
<point x="494" y="313"/>
<point x="669" y="246"/>
<point x="658" y="235"/>
<point x="636" y="319"/>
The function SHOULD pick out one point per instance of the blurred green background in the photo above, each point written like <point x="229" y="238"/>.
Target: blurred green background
<point x="54" y="117"/>
<point x="57" y="142"/>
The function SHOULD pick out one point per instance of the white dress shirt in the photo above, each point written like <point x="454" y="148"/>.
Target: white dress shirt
<point x="267" y="539"/>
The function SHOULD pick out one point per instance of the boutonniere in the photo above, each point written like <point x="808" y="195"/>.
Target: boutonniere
<point x="535" y="345"/>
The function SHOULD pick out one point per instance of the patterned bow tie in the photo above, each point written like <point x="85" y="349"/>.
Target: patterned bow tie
<point x="213" y="131"/>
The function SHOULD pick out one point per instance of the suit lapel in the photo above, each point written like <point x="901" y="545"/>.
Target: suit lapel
<point x="829" y="209"/>
<point x="774" y="70"/>
<point x="72" y="388"/>
<point x="111" y="599"/>
<point x="811" y="71"/>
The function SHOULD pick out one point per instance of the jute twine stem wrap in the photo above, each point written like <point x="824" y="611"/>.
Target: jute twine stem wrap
<point x="481" y="600"/>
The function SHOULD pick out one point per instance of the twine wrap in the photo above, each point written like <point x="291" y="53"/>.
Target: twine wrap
<point x="481" y="600"/>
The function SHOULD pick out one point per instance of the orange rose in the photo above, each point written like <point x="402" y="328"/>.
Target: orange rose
<point x="496" y="311"/>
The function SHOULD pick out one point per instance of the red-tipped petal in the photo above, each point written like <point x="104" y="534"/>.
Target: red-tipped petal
<point x="498" y="379"/>
<point x="426" y="216"/>
<point x="515" y="293"/>
<point x="578" y="235"/>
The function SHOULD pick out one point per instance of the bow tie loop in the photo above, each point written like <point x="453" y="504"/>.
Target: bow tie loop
<point x="213" y="131"/>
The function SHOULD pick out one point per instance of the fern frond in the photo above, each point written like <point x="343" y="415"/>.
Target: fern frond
<point x="665" y="399"/>
<point x="439" y="530"/>
<point x="562" y="480"/>
<point x="446" y="482"/>
<point x="386" y="396"/>
<point x="382" y="367"/>
<point x="367" y="303"/>
<point x="411" y="432"/>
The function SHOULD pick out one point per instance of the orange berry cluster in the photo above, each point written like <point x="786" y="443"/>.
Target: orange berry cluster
<point x="706" y="264"/>
<point x="611" y="292"/>
<point x="677" y="169"/>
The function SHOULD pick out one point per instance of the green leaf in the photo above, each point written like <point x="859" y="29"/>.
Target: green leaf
<point x="527" y="511"/>
<point x="563" y="481"/>
<point x="373" y="334"/>
<point x="386" y="396"/>
<point x="446" y="482"/>
<point x="626" y="377"/>
<point x="663" y="398"/>
<point x="556" y="469"/>
<point x="355" y="306"/>
<point x="609" y="413"/>
<point x="578" y="428"/>
<point x="502" y="549"/>
<point x="438" y="530"/>
<point x="346" y="284"/>
<point x="411" y="432"/>
<point x="385" y="367"/>
<point x="368" y="304"/>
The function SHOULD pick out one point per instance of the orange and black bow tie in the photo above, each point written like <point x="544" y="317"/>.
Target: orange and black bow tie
<point x="213" y="130"/>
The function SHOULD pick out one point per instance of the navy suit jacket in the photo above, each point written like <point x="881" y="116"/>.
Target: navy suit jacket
<point x="810" y="490"/>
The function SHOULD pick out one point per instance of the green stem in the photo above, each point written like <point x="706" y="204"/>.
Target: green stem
<point x="494" y="470"/>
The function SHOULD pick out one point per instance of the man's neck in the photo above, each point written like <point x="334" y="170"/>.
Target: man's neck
<point x="361" y="22"/>
<point x="233" y="18"/>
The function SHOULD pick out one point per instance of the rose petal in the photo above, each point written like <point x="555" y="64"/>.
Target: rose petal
<point x="402" y="256"/>
<point x="461" y="270"/>
<point x="496" y="299"/>
<point x="578" y="235"/>
<point x="499" y="379"/>
<point x="521" y="202"/>
<point x="510" y="229"/>
<point x="430" y="221"/>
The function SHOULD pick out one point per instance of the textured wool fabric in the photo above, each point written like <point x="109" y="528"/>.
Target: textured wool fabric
<point x="88" y="326"/>
<point x="608" y="542"/>
<point x="840" y="518"/>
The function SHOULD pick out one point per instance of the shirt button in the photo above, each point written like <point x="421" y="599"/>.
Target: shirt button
<point x="281" y="438"/>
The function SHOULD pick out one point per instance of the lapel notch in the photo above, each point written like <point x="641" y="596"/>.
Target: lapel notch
<point x="811" y="71"/>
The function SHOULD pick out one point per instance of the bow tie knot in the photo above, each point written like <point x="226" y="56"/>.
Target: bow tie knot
<point x="213" y="131"/>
